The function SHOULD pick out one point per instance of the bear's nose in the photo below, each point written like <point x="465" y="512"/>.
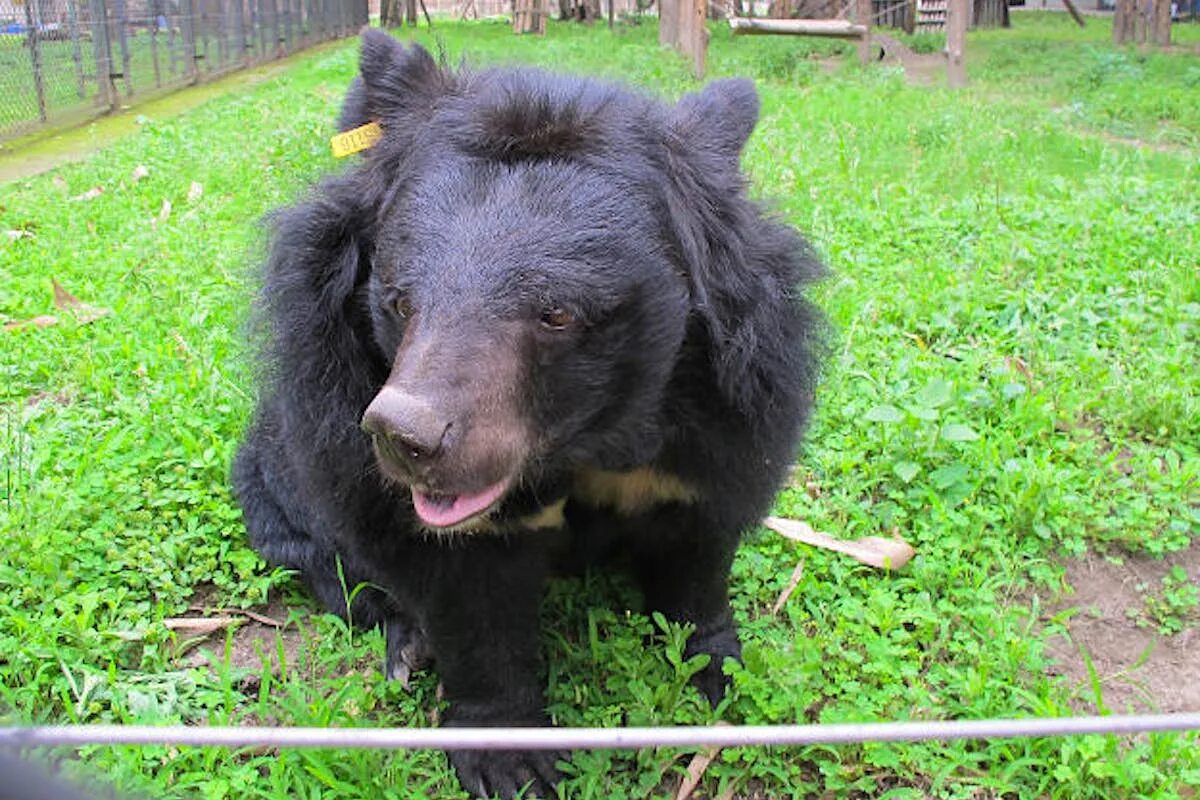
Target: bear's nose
<point x="413" y="429"/>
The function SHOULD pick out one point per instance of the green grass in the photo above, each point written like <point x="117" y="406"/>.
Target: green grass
<point x="150" y="62"/>
<point x="1014" y="381"/>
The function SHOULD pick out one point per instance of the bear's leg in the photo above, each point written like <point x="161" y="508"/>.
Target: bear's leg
<point x="273" y="535"/>
<point x="682" y="563"/>
<point x="480" y="598"/>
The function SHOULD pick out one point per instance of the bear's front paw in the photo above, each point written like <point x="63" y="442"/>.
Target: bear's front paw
<point x="719" y="644"/>
<point x="507" y="773"/>
<point x="407" y="650"/>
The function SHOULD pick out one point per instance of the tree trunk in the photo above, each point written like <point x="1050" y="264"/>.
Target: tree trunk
<point x="528" y="16"/>
<point x="1123" y="17"/>
<point x="862" y="13"/>
<point x="410" y="12"/>
<point x="389" y="14"/>
<point x="668" y="22"/>
<point x="1162" y="23"/>
<point x="957" y="14"/>
<point x="1141" y="16"/>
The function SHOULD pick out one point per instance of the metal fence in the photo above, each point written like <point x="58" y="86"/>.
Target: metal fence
<point x="65" y="59"/>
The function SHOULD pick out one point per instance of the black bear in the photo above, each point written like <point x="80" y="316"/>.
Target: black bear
<point x="538" y="322"/>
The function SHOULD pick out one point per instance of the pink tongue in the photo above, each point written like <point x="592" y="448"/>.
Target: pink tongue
<point x="443" y="514"/>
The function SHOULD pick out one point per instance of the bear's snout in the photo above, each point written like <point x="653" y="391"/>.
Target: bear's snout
<point x="405" y="427"/>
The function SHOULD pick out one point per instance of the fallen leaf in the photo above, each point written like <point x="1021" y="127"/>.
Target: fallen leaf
<point x="19" y="234"/>
<point x="874" y="551"/>
<point x="44" y="321"/>
<point x="36" y="399"/>
<point x="84" y="312"/>
<point x="139" y="172"/>
<point x="195" y="192"/>
<point x="793" y="582"/>
<point x="164" y="213"/>
<point x="90" y="194"/>
<point x="199" y="626"/>
<point x="695" y="771"/>
<point x="1017" y="363"/>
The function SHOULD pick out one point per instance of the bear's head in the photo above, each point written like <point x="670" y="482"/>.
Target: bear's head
<point x="541" y="263"/>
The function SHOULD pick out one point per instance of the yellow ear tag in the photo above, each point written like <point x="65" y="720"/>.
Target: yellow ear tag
<point x="356" y="140"/>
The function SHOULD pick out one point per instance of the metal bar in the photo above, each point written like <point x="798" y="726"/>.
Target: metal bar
<point x="260" y="25"/>
<point x="590" y="738"/>
<point x="288" y="44"/>
<point x="202" y="44"/>
<point x="238" y="9"/>
<point x="172" y="49"/>
<point x="76" y="49"/>
<point x="102" y="51"/>
<point x="187" y="22"/>
<point x="121" y="13"/>
<point x="224" y="24"/>
<point x="33" y="31"/>
<point x="155" y="15"/>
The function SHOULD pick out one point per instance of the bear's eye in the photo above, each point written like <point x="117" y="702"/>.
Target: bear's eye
<point x="404" y="307"/>
<point x="556" y="319"/>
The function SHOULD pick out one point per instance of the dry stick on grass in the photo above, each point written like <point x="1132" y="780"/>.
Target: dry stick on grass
<point x="793" y="582"/>
<point x="874" y="551"/>
<point x="199" y="626"/>
<point x="254" y="615"/>
<point x="695" y="770"/>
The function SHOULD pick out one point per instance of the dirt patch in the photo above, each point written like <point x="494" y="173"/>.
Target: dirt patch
<point x="1139" y="667"/>
<point x="259" y="635"/>
<point x="921" y="69"/>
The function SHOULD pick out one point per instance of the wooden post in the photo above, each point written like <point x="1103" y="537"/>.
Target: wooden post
<point x="956" y="42"/>
<point x="863" y="14"/>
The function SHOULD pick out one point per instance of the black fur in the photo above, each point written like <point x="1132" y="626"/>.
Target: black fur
<point x="532" y="282"/>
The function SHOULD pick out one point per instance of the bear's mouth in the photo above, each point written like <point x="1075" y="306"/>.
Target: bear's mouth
<point x="443" y="510"/>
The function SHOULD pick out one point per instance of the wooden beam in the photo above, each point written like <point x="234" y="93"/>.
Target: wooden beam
<point x="834" y="28"/>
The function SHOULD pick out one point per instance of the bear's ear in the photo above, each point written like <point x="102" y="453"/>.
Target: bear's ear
<point x="354" y="112"/>
<point x="394" y="82"/>
<point x="744" y="270"/>
<point x="720" y="119"/>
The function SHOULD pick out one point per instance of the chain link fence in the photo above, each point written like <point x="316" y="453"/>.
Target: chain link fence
<point x="65" y="59"/>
